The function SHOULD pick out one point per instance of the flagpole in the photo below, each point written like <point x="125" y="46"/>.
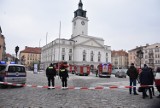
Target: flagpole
<point x="46" y="37"/>
<point x="59" y="48"/>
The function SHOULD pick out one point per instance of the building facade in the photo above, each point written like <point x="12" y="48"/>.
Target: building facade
<point x="80" y="49"/>
<point x="151" y="56"/>
<point x="119" y="59"/>
<point x="2" y="46"/>
<point x="30" y="56"/>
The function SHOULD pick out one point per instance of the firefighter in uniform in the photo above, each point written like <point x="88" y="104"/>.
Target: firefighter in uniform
<point x="63" y="76"/>
<point x="50" y="73"/>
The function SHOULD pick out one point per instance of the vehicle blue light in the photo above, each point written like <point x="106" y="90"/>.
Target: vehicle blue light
<point x="2" y="62"/>
<point x="12" y="63"/>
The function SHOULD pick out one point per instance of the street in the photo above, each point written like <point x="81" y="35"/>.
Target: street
<point x="36" y="97"/>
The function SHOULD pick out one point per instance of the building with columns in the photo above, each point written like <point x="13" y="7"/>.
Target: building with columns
<point x="80" y="49"/>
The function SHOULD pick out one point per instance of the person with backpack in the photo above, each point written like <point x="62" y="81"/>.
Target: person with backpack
<point x="51" y="73"/>
<point x="133" y="75"/>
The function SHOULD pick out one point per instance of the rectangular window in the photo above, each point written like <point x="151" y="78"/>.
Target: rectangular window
<point x="63" y="57"/>
<point x="84" y="57"/>
<point x="70" y="50"/>
<point x="99" y="58"/>
<point x="70" y="57"/>
<point x="106" y="59"/>
<point x="91" y="57"/>
<point x="63" y="49"/>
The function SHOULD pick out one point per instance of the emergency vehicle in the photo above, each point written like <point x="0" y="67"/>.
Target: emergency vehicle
<point x="71" y="68"/>
<point x="12" y="73"/>
<point x="82" y="70"/>
<point x="104" y="70"/>
<point x="58" y="65"/>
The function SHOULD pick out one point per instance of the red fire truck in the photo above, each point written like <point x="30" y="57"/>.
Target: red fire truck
<point x="59" y="64"/>
<point x="83" y="70"/>
<point x="72" y="68"/>
<point x="104" y="70"/>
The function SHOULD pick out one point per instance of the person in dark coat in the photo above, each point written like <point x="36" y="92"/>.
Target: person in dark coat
<point x="63" y="76"/>
<point x="133" y="75"/>
<point x="51" y="73"/>
<point x="146" y="79"/>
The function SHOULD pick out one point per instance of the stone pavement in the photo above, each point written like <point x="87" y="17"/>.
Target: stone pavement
<point x="29" y="97"/>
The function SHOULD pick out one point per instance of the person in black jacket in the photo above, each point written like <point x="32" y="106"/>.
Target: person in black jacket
<point x="133" y="75"/>
<point x="146" y="78"/>
<point x="63" y="76"/>
<point x="51" y="73"/>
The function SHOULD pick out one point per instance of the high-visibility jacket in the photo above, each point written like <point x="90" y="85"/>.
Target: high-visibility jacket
<point x="50" y="71"/>
<point x="63" y="73"/>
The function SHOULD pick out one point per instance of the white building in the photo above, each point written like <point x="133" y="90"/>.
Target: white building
<point x="80" y="49"/>
<point x="152" y="55"/>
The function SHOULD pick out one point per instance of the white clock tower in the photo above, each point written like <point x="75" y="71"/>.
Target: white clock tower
<point x="79" y="22"/>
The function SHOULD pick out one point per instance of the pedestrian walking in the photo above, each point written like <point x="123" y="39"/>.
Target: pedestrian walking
<point x="146" y="79"/>
<point x="51" y="73"/>
<point x="63" y="76"/>
<point x="157" y="81"/>
<point x="133" y="75"/>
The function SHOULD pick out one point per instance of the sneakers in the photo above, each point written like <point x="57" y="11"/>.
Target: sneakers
<point x="51" y="87"/>
<point x="64" y="88"/>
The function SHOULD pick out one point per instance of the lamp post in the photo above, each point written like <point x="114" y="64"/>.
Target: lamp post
<point x="16" y="51"/>
<point x="140" y="55"/>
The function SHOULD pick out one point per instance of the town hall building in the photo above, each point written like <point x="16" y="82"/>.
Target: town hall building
<point x="80" y="49"/>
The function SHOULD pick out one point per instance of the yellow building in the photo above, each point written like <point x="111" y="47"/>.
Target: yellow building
<point x="119" y="59"/>
<point x="2" y="46"/>
<point x="30" y="56"/>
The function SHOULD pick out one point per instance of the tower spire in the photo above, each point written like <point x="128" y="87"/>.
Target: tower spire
<point x="80" y="5"/>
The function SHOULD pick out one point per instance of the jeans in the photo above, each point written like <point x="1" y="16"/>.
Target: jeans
<point x="132" y="81"/>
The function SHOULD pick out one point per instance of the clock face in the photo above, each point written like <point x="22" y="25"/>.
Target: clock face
<point x="83" y="23"/>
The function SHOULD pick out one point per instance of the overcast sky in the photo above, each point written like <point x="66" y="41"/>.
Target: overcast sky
<point x="123" y="24"/>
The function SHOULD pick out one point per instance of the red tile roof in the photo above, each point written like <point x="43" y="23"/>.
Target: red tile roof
<point x="34" y="50"/>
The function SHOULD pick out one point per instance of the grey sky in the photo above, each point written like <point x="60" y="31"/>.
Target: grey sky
<point x="123" y="24"/>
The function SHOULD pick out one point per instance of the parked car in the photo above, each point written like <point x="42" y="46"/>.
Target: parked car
<point x="120" y="74"/>
<point x="12" y="73"/>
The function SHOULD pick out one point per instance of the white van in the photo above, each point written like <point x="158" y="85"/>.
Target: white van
<point x="13" y="73"/>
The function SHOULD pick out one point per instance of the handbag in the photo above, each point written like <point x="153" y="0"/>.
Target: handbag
<point x="140" y="89"/>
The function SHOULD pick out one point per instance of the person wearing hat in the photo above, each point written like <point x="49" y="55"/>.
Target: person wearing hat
<point x="133" y="75"/>
<point x="51" y="73"/>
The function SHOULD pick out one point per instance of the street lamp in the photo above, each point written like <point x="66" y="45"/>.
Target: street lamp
<point x="16" y="51"/>
<point x="140" y="55"/>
